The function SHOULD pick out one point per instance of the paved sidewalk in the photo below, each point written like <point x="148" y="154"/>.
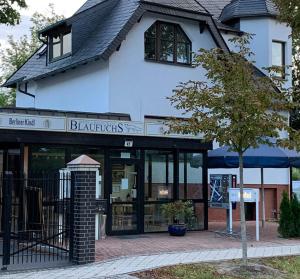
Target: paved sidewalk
<point x="127" y="265"/>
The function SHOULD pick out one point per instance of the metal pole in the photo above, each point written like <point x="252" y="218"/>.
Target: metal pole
<point x="263" y="220"/>
<point x="7" y="203"/>
<point x="257" y="218"/>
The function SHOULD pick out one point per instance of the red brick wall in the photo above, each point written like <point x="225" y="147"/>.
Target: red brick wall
<point x="273" y="196"/>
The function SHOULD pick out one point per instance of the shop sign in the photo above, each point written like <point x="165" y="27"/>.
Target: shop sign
<point x="100" y="126"/>
<point x="32" y="122"/>
<point x="160" y="129"/>
<point x="88" y="126"/>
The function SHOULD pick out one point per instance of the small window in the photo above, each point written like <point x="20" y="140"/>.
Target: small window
<point x="60" y="45"/>
<point x="167" y="42"/>
<point x="278" y="56"/>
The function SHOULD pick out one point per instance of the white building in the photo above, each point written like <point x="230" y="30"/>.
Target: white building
<point x="120" y="60"/>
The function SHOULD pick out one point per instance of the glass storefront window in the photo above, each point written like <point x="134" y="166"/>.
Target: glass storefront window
<point x="47" y="159"/>
<point x="153" y="220"/>
<point x="159" y="171"/>
<point x="190" y="176"/>
<point x="124" y="217"/>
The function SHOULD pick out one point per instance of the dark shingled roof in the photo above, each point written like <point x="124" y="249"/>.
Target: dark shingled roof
<point x="100" y="26"/>
<point x="246" y="8"/>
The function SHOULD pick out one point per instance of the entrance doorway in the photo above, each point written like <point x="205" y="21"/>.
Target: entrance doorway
<point x="124" y="211"/>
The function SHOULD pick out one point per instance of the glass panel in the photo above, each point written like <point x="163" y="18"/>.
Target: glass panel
<point x="67" y="43"/>
<point x="190" y="176"/>
<point x="124" y="217"/>
<point x="167" y="31"/>
<point x="167" y="42"/>
<point x="183" y="48"/>
<point x="47" y="159"/>
<point x="98" y="155"/>
<point x="56" y="47"/>
<point x="159" y="171"/>
<point x="13" y="160"/>
<point x="277" y="54"/>
<point x="167" y="51"/>
<point x="150" y="46"/>
<point x="150" y="43"/>
<point x="154" y="221"/>
<point x="194" y="176"/>
<point x="124" y="182"/>
<point x="183" y="53"/>
<point x="198" y="222"/>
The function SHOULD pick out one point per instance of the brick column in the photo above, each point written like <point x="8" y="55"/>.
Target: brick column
<point x="82" y="243"/>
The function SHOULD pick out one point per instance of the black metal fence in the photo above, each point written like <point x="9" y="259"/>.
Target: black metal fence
<point x="35" y="215"/>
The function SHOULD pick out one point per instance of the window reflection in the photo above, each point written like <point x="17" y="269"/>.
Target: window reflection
<point x="190" y="176"/>
<point x="159" y="171"/>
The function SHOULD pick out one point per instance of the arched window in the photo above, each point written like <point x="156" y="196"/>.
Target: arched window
<point x="167" y="42"/>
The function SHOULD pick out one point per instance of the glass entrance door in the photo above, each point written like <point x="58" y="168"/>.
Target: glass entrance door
<point x="124" y="180"/>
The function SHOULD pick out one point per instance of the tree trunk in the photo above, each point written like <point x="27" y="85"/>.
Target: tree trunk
<point x="242" y="210"/>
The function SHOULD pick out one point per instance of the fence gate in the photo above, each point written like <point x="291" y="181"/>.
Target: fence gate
<point x="35" y="214"/>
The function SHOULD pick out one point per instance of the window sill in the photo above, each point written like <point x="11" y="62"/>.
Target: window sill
<point x="60" y="58"/>
<point x="170" y="63"/>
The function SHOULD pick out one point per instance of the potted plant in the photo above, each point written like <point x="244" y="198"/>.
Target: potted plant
<point x="178" y="213"/>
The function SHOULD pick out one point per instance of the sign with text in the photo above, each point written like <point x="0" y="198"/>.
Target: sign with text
<point x="250" y="195"/>
<point x="100" y="126"/>
<point x="86" y="125"/>
<point x="32" y="122"/>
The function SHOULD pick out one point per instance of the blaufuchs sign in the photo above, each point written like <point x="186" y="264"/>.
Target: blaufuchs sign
<point x="84" y="125"/>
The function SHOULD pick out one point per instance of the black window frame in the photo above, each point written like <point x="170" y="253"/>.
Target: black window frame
<point x="283" y="57"/>
<point x="61" y="35"/>
<point x="158" y="39"/>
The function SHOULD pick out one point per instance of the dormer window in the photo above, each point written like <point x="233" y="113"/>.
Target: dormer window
<point x="167" y="42"/>
<point x="60" y="45"/>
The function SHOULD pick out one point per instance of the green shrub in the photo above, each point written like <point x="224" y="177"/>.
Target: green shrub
<point x="295" y="222"/>
<point x="285" y="220"/>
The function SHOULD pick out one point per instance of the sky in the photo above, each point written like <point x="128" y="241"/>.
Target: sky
<point x="62" y="7"/>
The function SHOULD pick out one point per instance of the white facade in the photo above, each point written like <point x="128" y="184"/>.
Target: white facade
<point x="126" y="83"/>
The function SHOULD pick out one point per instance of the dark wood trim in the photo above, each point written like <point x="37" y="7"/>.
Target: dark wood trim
<point x="13" y="137"/>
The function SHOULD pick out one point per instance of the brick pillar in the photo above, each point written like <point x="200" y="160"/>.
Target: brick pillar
<point x="82" y="244"/>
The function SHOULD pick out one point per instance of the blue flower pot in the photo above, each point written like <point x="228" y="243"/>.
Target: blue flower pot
<point x="177" y="230"/>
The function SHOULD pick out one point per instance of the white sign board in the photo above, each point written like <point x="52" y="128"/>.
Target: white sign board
<point x="86" y="125"/>
<point x="250" y="195"/>
<point x="32" y="122"/>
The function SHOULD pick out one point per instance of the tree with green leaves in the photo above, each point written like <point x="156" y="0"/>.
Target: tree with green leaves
<point x="18" y="51"/>
<point x="9" y="13"/>
<point x="236" y="106"/>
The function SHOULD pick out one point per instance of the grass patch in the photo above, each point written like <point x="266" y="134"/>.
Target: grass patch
<point x="279" y="268"/>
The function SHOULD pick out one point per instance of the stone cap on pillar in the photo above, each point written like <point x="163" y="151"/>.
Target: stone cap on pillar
<point x="83" y="162"/>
